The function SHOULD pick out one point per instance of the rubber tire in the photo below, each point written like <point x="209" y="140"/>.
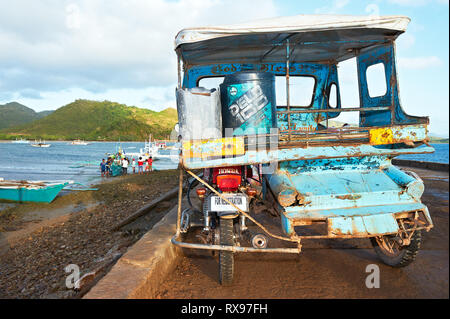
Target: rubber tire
<point x="407" y="253"/>
<point x="226" y="258"/>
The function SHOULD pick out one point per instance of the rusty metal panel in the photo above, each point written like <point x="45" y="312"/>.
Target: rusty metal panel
<point x="346" y="226"/>
<point x="397" y="134"/>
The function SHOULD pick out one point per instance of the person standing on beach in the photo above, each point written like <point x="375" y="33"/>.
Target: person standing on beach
<point x="133" y="165"/>
<point x="140" y="166"/>
<point x="125" y="166"/>
<point x="149" y="163"/>
<point x="108" y="167"/>
<point x="103" y="167"/>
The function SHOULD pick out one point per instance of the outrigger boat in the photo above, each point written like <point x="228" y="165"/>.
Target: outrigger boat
<point x="79" y="142"/>
<point x="31" y="191"/>
<point x="40" y="144"/>
<point x="321" y="181"/>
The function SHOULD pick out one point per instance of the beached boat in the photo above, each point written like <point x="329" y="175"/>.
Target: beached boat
<point x="116" y="170"/>
<point x="21" y="141"/>
<point x="79" y="142"/>
<point x="40" y="144"/>
<point x="31" y="191"/>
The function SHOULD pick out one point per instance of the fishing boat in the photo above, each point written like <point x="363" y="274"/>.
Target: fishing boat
<point x="79" y="142"/>
<point x="167" y="153"/>
<point x="31" y="191"/>
<point x="40" y="144"/>
<point x="21" y="141"/>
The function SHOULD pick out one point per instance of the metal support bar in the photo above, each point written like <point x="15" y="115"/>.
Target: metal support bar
<point x="288" y="100"/>
<point x="180" y="197"/>
<point x="353" y="109"/>
<point x="393" y="85"/>
<point x="179" y="70"/>
<point x="235" y="248"/>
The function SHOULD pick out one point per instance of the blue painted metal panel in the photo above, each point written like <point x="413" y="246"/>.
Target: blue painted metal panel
<point x="362" y="226"/>
<point x="346" y="192"/>
<point x="384" y="54"/>
<point x="363" y="221"/>
<point x="293" y="213"/>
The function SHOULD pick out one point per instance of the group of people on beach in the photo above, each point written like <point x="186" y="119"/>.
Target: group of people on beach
<point x="143" y="166"/>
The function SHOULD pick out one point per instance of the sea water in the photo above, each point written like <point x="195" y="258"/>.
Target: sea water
<point x="439" y="156"/>
<point x="81" y="163"/>
<point x="63" y="161"/>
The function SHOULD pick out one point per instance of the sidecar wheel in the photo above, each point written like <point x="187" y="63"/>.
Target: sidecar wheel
<point x="226" y="258"/>
<point x="392" y="254"/>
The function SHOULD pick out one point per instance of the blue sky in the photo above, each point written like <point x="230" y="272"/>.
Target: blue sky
<point x="55" y="51"/>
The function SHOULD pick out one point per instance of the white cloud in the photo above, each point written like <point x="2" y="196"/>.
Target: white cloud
<point x="73" y="16"/>
<point x="100" y="45"/>
<point x="417" y="3"/>
<point x="406" y="41"/>
<point x="419" y="62"/>
<point x="336" y="6"/>
<point x="410" y="3"/>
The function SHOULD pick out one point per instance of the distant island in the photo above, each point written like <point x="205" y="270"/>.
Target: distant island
<point x="87" y="120"/>
<point x="96" y="121"/>
<point x="13" y="114"/>
<point x="438" y="140"/>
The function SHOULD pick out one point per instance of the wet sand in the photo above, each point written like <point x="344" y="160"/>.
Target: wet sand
<point x="37" y="241"/>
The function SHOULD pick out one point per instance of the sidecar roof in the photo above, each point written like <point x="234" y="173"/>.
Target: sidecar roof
<point x="313" y="38"/>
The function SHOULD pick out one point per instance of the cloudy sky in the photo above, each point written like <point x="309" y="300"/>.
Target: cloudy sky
<point x="55" y="51"/>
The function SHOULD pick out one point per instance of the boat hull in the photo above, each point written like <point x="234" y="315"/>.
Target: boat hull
<point x="40" y="195"/>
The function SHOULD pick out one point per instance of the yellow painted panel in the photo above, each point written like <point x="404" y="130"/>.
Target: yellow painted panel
<point x="227" y="146"/>
<point x="381" y="136"/>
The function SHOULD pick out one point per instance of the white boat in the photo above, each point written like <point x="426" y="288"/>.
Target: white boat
<point x="79" y="142"/>
<point x="150" y="149"/>
<point x="21" y="141"/>
<point x="40" y="144"/>
<point x="167" y="153"/>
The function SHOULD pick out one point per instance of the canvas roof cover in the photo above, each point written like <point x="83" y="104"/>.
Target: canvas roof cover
<point x="313" y="38"/>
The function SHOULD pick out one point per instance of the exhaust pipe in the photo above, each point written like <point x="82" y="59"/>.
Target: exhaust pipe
<point x="259" y="241"/>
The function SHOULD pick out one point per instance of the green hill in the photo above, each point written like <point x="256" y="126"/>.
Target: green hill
<point x="93" y="120"/>
<point x="13" y="114"/>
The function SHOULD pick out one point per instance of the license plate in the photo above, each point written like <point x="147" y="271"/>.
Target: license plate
<point x="219" y="205"/>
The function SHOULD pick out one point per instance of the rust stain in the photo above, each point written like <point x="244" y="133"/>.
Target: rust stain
<point x="349" y="196"/>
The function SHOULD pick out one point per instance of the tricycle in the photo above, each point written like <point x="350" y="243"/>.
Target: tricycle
<point x="256" y="104"/>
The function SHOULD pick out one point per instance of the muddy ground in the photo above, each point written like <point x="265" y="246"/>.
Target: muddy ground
<point x="327" y="268"/>
<point x="37" y="241"/>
